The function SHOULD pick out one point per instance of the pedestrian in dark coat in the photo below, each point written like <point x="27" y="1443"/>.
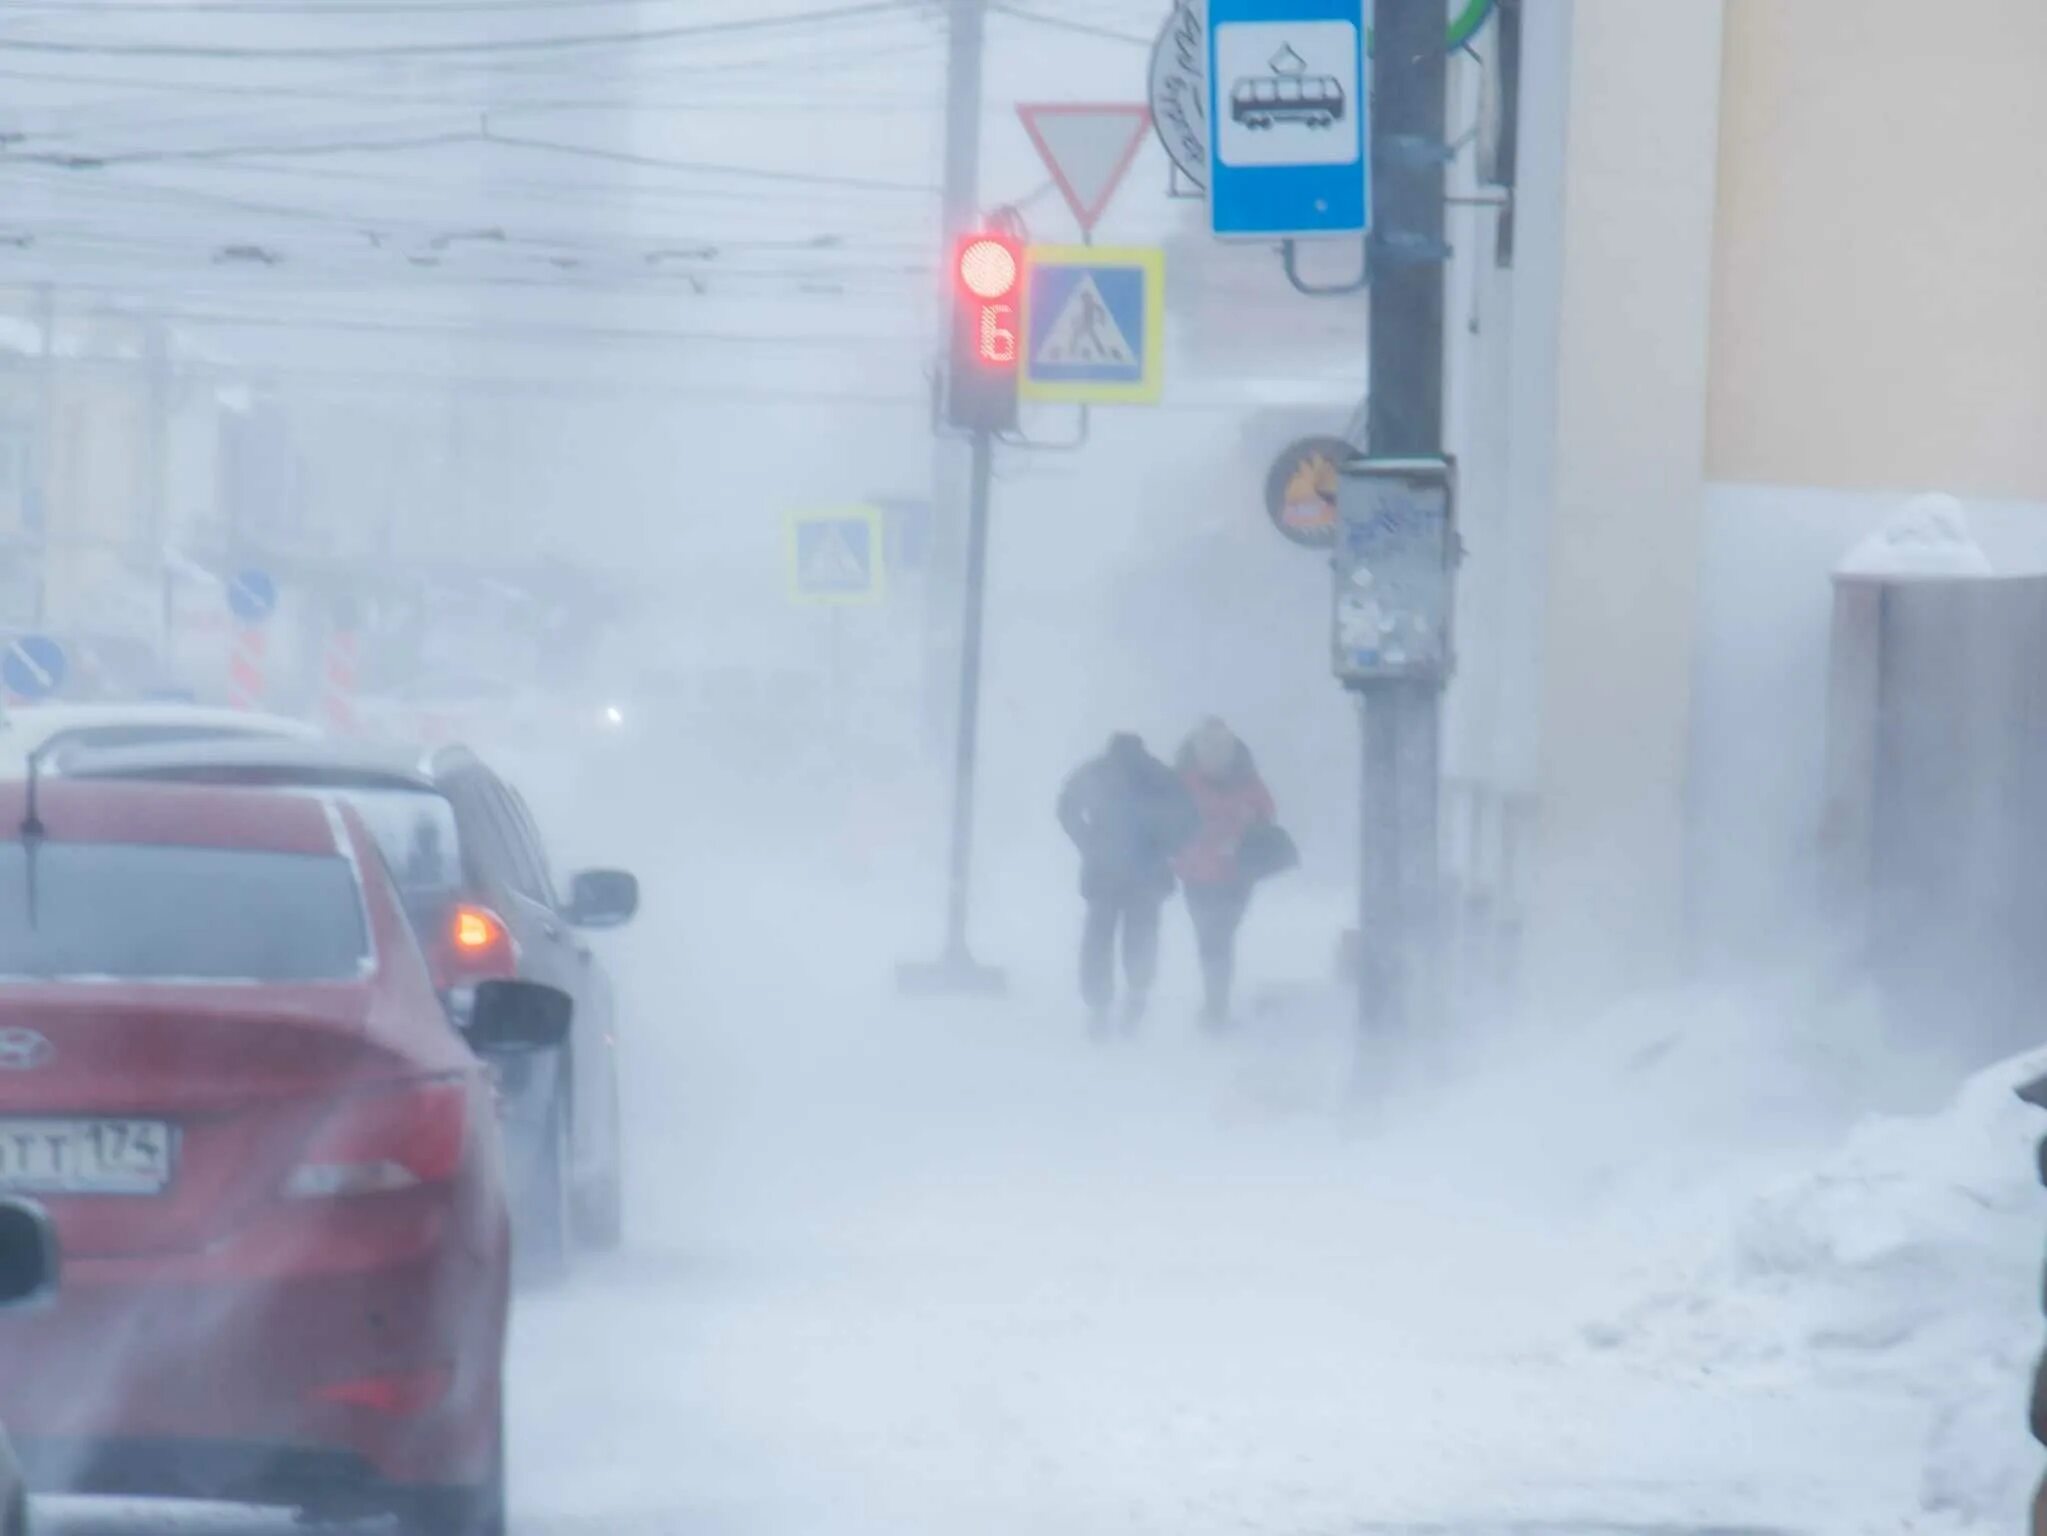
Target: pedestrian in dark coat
<point x="1230" y="799"/>
<point x="1128" y="814"/>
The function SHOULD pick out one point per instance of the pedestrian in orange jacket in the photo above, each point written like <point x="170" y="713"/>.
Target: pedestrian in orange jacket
<point x="1231" y="800"/>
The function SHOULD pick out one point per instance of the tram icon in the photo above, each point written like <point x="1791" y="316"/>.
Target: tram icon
<point x="1289" y="94"/>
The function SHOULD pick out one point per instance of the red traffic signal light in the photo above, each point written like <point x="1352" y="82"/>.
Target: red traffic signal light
<point x="987" y="270"/>
<point x="988" y="266"/>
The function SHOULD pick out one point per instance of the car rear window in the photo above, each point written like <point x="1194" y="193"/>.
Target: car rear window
<point x="146" y="912"/>
<point x="416" y="832"/>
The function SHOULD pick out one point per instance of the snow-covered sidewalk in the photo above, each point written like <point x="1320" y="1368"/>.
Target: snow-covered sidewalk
<point x="929" y="1268"/>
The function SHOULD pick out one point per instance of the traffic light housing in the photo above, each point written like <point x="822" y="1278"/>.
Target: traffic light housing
<point x="987" y="283"/>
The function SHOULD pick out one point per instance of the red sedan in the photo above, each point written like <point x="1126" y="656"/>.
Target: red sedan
<point x="273" y="1165"/>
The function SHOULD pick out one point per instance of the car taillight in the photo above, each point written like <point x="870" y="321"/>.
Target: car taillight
<point x="386" y="1138"/>
<point x="399" y="1396"/>
<point x="478" y="945"/>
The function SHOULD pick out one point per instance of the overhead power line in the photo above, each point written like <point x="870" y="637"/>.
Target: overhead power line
<point x="817" y="74"/>
<point x="800" y="86"/>
<point x="701" y="167"/>
<point x="86" y="161"/>
<point x="304" y="8"/>
<point x="1069" y="24"/>
<point x="809" y="82"/>
<point x="784" y="223"/>
<point x="539" y="332"/>
<point x="186" y="274"/>
<point x="322" y="53"/>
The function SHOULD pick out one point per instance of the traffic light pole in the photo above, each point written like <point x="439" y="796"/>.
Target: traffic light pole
<point x="956" y="970"/>
<point x="1398" y="894"/>
<point x="958" y="209"/>
<point x="958" y="961"/>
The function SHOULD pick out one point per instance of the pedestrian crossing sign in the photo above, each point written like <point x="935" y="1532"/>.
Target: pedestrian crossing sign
<point x="1094" y="324"/>
<point x="835" y="556"/>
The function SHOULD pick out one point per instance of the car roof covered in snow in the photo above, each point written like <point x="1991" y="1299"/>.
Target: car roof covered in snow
<point x="26" y="728"/>
<point x="173" y="815"/>
<point x="254" y="762"/>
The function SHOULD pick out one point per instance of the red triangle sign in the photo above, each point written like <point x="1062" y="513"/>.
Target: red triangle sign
<point x="1088" y="147"/>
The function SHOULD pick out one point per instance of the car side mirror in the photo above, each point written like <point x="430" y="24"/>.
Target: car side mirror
<point x="28" y="1253"/>
<point x="603" y="898"/>
<point x="518" y="1017"/>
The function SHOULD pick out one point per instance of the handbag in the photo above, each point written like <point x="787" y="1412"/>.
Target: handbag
<point x="1266" y="851"/>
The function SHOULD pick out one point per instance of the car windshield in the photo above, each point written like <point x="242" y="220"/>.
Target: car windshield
<point x="146" y="912"/>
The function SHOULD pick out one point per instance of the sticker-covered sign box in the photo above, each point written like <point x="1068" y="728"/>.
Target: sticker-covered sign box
<point x="1395" y="567"/>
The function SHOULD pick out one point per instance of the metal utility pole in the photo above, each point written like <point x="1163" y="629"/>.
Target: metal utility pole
<point x="956" y="969"/>
<point x="950" y="470"/>
<point x="963" y="971"/>
<point x="46" y="445"/>
<point x="965" y="25"/>
<point x="157" y="499"/>
<point x="1399" y="902"/>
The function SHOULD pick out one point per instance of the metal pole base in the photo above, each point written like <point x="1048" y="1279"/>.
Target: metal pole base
<point x="954" y="974"/>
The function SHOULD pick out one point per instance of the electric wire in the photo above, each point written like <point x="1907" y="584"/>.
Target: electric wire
<point x="327" y="52"/>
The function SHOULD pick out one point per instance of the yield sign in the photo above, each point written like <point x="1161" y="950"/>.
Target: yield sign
<point x="1089" y="147"/>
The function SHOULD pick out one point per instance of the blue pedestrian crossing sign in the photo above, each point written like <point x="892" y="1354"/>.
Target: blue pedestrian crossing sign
<point x="33" y="667"/>
<point x="836" y="556"/>
<point x="1094" y="322"/>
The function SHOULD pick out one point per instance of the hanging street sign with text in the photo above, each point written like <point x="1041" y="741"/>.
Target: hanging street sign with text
<point x="1088" y="148"/>
<point x="1287" y="113"/>
<point x="1179" y="90"/>
<point x="1094" y="324"/>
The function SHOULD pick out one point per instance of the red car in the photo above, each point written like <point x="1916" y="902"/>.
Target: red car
<point x="273" y="1164"/>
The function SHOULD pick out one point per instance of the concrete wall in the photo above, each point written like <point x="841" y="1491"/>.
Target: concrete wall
<point x="1630" y="386"/>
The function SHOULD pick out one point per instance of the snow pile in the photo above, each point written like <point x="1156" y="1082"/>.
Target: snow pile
<point x="1929" y="536"/>
<point x="1906" y="1262"/>
<point x="1656" y="1112"/>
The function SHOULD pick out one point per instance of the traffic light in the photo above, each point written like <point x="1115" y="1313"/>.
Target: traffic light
<point x="987" y="278"/>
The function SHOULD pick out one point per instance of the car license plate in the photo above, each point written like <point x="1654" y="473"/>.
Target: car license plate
<point x="84" y="1157"/>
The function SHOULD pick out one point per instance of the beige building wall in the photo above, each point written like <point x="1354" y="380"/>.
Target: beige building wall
<point x="1880" y="302"/>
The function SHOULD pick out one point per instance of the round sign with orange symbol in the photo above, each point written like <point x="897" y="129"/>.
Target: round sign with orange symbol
<point x="1300" y="490"/>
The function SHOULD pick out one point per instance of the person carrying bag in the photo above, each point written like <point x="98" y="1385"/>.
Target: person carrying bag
<point x="1239" y="843"/>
